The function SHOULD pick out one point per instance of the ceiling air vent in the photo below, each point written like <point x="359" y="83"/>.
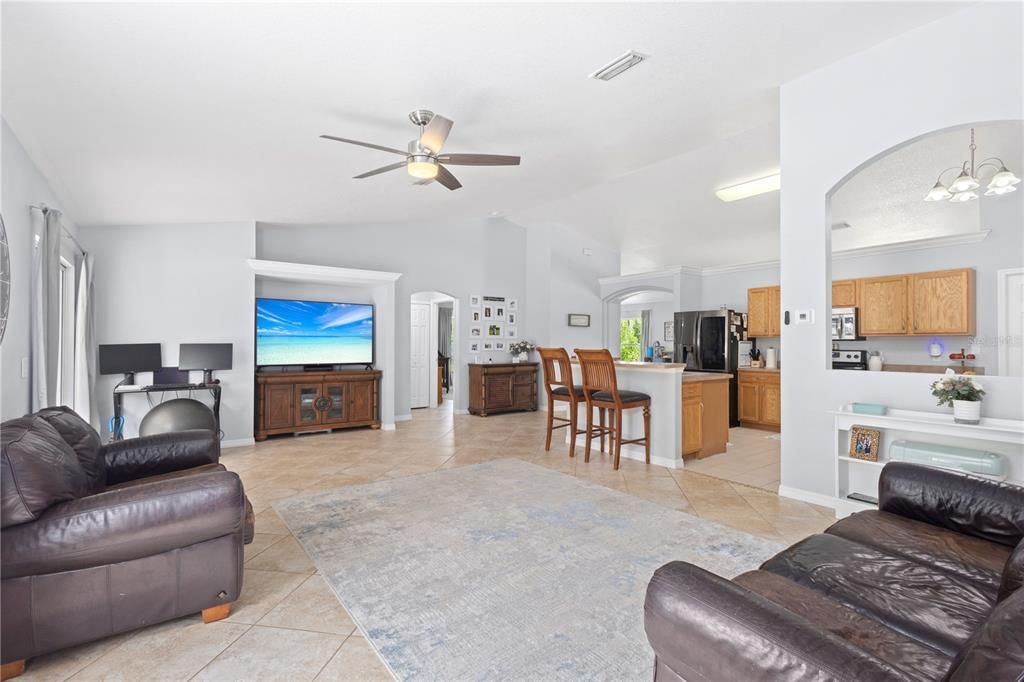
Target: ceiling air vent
<point x="618" y="66"/>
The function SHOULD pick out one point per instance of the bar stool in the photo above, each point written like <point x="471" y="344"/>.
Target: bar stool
<point x="559" y="387"/>
<point x="601" y="390"/>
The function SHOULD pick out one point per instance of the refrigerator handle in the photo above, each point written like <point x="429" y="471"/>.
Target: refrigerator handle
<point x="697" y="346"/>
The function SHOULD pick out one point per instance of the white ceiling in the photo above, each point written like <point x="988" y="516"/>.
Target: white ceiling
<point x="150" y="113"/>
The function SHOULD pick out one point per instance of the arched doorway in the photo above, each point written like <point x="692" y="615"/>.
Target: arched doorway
<point x="433" y="351"/>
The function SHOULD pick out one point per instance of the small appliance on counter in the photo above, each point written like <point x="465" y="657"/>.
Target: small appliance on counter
<point x="845" y="325"/>
<point x="875" y="361"/>
<point x="850" y="359"/>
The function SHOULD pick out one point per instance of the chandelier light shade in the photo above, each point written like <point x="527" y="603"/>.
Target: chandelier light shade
<point x="961" y="190"/>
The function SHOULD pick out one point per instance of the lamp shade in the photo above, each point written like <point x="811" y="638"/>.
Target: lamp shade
<point x="963" y="183"/>
<point x="1004" y="178"/>
<point x="999" y="191"/>
<point x="938" y="193"/>
<point x="421" y="167"/>
<point x="963" y="197"/>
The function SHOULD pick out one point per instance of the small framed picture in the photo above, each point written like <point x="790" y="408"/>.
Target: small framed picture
<point x="476" y="332"/>
<point x="864" y="443"/>
<point x="511" y="332"/>
<point x="499" y="312"/>
<point x="513" y="304"/>
<point x="474" y="347"/>
<point x="488" y="345"/>
<point x="488" y="312"/>
<point x="669" y="332"/>
<point x="499" y="345"/>
<point x="476" y="316"/>
<point x="474" y="301"/>
<point x="495" y="330"/>
<point x="579" y="320"/>
<point x="511" y="319"/>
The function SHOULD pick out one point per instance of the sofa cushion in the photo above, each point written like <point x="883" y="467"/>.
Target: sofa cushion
<point x="1013" y="572"/>
<point x="964" y="555"/>
<point x="937" y="608"/>
<point x="996" y="650"/>
<point x="915" y="659"/>
<point x="38" y="470"/>
<point x="83" y="439"/>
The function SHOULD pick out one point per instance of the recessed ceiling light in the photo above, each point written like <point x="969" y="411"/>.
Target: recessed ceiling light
<point x="618" y="66"/>
<point x="750" y="189"/>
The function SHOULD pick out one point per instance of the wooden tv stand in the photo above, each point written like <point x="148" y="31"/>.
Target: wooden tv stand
<point x="295" y="402"/>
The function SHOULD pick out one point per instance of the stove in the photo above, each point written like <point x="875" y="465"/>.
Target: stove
<point x="850" y="359"/>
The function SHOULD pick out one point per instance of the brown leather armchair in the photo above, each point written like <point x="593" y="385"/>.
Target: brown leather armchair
<point x="925" y="588"/>
<point x="102" y="539"/>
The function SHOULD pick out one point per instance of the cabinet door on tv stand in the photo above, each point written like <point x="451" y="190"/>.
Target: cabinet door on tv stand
<point x="361" y="405"/>
<point x="335" y="408"/>
<point x="307" y="404"/>
<point x="279" y="406"/>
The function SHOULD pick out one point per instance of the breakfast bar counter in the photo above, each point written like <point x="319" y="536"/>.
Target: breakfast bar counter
<point x="689" y="411"/>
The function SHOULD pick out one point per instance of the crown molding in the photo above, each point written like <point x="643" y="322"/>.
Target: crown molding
<point x="740" y="267"/>
<point x="913" y="245"/>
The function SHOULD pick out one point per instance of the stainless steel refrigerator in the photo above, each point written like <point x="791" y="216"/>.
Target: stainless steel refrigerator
<point x="706" y="340"/>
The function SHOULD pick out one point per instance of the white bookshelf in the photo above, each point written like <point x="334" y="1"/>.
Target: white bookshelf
<point x="1004" y="436"/>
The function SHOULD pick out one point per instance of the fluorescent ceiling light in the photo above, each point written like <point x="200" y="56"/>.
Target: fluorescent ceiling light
<point x="750" y="189"/>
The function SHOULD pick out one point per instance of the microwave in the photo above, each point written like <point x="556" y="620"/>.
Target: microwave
<point x="844" y="325"/>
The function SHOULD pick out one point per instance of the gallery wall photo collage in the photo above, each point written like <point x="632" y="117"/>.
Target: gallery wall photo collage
<point x="493" y="323"/>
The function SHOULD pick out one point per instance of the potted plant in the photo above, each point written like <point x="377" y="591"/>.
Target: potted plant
<point x="963" y="392"/>
<point x="520" y="350"/>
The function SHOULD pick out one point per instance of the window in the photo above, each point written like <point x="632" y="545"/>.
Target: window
<point x="629" y="340"/>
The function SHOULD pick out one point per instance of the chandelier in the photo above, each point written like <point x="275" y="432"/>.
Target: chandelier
<point x="961" y="190"/>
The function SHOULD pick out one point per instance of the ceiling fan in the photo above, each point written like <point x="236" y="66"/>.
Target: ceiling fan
<point x="424" y="159"/>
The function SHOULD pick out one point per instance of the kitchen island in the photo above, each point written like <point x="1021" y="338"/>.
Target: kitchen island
<point x="689" y="411"/>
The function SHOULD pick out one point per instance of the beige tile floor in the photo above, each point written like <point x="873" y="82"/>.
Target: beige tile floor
<point x="753" y="457"/>
<point x="288" y="625"/>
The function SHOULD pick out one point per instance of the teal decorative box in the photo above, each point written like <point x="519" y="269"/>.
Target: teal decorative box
<point x="870" y="408"/>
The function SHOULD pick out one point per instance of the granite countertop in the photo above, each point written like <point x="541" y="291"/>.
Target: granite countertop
<point x="775" y="370"/>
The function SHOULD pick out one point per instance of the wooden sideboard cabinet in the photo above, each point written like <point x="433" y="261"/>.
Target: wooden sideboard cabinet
<point x="760" y="399"/>
<point x="293" y="402"/>
<point x="505" y="387"/>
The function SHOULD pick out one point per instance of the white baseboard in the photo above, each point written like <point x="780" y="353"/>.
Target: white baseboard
<point x="461" y="411"/>
<point x="237" y="443"/>
<point x="403" y="417"/>
<point x="388" y="427"/>
<point x="629" y="451"/>
<point x="807" y="496"/>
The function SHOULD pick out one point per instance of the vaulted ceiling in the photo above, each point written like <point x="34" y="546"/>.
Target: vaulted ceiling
<point x="156" y="113"/>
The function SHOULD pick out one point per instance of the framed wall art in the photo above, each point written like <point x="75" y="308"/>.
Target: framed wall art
<point x="579" y="320"/>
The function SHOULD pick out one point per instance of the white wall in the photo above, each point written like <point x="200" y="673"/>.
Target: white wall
<point x="177" y="284"/>
<point x="833" y="121"/>
<point x="22" y="186"/>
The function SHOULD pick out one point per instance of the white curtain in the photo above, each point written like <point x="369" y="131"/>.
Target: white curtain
<point x="44" y="310"/>
<point x="85" y="368"/>
<point x="444" y="331"/>
<point x="645" y="332"/>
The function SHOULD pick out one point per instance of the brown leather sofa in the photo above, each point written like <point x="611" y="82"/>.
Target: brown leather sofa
<point x="101" y="539"/>
<point x="925" y="588"/>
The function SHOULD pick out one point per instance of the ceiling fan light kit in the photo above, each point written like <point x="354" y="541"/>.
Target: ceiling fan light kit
<point x="961" y="190"/>
<point x="424" y="160"/>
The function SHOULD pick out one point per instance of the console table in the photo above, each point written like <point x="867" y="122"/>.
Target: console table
<point x="120" y="391"/>
<point x="295" y="402"/>
<point x="502" y="387"/>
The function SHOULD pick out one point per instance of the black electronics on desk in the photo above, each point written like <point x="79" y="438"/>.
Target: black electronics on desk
<point x="205" y="356"/>
<point x="128" y="358"/>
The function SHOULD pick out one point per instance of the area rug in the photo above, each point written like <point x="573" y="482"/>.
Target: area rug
<point x="504" y="570"/>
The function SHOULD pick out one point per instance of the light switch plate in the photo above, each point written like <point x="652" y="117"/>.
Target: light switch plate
<point x="804" y="317"/>
<point x="24" y="368"/>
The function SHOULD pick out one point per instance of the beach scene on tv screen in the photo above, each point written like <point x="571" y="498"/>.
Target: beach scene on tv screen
<point x="312" y="333"/>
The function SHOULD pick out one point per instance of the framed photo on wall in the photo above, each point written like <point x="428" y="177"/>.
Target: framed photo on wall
<point x="476" y="332"/>
<point x="864" y="443"/>
<point x="579" y="320"/>
<point x="499" y="345"/>
<point x="488" y="312"/>
<point x="513" y="304"/>
<point x="476" y="316"/>
<point x="495" y="330"/>
<point x="474" y="301"/>
<point x="511" y="319"/>
<point x="499" y="312"/>
<point x="474" y="347"/>
<point x="488" y="345"/>
<point x="511" y="332"/>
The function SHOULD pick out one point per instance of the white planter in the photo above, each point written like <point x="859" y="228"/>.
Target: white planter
<point x="967" y="411"/>
<point x="521" y="357"/>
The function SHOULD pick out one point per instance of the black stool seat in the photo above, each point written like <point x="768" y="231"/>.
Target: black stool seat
<point x="624" y="396"/>
<point x="564" y="390"/>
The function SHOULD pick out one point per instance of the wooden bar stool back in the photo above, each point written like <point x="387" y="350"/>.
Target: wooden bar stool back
<point x="559" y="387"/>
<point x="601" y="390"/>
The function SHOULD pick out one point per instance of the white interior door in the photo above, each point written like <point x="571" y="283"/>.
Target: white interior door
<point x="1011" y="322"/>
<point x="419" y="360"/>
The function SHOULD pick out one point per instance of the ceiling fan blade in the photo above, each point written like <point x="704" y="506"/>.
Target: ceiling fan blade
<point x="382" y="169"/>
<point x="445" y="177"/>
<point x="435" y="133"/>
<point x="365" y="144"/>
<point x="479" y="160"/>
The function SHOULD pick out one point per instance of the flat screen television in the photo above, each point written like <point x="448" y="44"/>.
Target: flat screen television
<point x="291" y="332"/>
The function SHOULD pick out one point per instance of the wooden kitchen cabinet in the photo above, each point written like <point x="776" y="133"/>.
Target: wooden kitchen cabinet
<point x="505" y="387"/>
<point x="760" y="399"/>
<point x="882" y="305"/>
<point x="705" y="418"/>
<point x="844" y="293"/>
<point x="693" y="431"/>
<point x="942" y="302"/>
<point x="763" y="311"/>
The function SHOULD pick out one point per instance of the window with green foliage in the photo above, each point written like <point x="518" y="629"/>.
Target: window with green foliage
<point x="629" y="340"/>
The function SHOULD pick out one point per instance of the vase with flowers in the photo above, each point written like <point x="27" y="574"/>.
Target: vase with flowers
<point x="963" y="392"/>
<point x="520" y="350"/>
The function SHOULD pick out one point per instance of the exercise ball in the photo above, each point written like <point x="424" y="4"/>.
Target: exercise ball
<point x="180" y="414"/>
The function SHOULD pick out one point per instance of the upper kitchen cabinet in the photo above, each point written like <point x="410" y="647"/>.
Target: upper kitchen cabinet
<point x="763" y="311"/>
<point x="882" y="303"/>
<point x="844" y="293"/>
<point x="942" y="302"/>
